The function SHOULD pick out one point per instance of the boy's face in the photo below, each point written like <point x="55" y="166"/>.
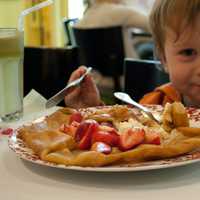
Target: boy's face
<point x="182" y="61"/>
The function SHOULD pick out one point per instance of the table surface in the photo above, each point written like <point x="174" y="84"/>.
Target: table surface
<point x="23" y="180"/>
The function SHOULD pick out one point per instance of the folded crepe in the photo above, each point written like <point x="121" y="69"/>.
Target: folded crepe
<point x="52" y="145"/>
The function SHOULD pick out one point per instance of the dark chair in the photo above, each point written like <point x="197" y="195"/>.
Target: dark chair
<point x="143" y="76"/>
<point x="144" y="45"/>
<point x="47" y="69"/>
<point x="102" y="49"/>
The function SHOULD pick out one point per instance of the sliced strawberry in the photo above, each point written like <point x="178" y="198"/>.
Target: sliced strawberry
<point x="101" y="147"/>
<point x="109" y="124"/>
<point x="131" y="138"/>
<point x="85" y="142"/>
<point x="111" y="138"/>
<point x="77" y="116"/>
<point x="152" y="138"/>
<point x="7" y="131"/>
<point x="69" y="129"/>
<point x="84" y="127"/>
<point x="84" y="133"/>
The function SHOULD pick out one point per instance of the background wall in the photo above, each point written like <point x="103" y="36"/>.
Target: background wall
<point x="52" y="21"/>
<point x="9" y="12"/>
<point x="61" y="11"/>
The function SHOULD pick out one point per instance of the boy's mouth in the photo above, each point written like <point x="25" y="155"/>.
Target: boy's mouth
<point x="196" y="86"/>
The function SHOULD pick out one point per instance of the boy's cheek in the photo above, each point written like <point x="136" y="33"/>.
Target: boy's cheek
<point x="179" y="80"/>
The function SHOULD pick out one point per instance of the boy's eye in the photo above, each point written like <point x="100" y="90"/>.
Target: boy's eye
<point x="188" y="52"/>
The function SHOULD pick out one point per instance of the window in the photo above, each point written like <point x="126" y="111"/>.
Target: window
<point x="76" y="8"/>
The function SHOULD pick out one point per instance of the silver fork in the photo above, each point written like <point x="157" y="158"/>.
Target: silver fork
<point x="57" y="98"/>
<point x="126" y="98"/>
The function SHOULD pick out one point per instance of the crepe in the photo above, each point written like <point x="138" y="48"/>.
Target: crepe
<point x="174" y="115"/>
<point x="50" y="143"/>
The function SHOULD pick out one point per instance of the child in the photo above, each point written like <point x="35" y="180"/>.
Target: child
<point x="176" y="30"/>
<point x="175" y="26"/>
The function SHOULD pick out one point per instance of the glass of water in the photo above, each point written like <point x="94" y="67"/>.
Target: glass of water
<point x="11" y="74"/>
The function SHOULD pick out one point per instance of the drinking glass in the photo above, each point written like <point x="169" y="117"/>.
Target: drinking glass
<point x="11" y="74"/>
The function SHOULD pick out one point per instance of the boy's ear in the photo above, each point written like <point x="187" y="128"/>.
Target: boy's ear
<point x="164" y="62"/>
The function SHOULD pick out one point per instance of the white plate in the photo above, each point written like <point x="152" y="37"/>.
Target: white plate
<point x="20" y="149"/>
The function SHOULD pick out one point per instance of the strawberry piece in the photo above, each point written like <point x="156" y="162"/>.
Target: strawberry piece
<point x="7" y="131"/>
<point x="85" y="142"/>
<point x="109" y="137"/>
<point x="77" y="116"/>
<point x="152" y="138"/>
<point x="83" y="128"/>
<point x="69" y="129"/>
<point x="101" y="147"/>
<point x="109" y="124"/>
<point x="131" y="138"/>
<point x="84" y="133"/>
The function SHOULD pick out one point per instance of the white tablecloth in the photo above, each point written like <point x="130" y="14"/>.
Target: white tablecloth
<point x="22" y="180"/>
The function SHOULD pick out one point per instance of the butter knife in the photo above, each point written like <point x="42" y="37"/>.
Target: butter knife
<point x="57" y="98"/>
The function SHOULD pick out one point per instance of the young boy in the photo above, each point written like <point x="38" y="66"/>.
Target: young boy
<point x="175" y="26"/>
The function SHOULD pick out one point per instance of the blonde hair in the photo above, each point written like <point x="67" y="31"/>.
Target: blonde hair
<point x="172" y="14"/>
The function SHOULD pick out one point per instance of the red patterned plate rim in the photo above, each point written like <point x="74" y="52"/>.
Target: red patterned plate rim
<point x="25" y="153"/>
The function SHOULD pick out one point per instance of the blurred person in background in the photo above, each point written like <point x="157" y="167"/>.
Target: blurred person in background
<point x="143" y="6"/>
<point x="108" y="13"/>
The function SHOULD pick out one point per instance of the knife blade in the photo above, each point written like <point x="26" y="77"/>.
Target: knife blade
<point x="58" y="97"/>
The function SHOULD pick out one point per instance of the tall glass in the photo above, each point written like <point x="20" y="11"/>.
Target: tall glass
<point x="11" y="74"/>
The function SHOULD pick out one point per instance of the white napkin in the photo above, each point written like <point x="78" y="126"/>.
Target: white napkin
<point x="34" y="107"/>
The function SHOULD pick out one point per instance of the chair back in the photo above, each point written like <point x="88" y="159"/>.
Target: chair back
<point x="101" y="48"/>
<point x="47" y="70"/>
<point x="143" y="76"/>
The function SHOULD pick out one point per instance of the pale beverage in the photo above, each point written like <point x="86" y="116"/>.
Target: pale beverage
<point x="11" y="74"/>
